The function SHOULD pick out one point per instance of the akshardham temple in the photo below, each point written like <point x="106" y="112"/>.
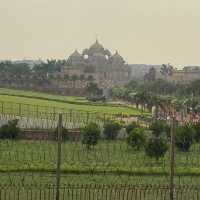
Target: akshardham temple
<point x="98" y="64"/>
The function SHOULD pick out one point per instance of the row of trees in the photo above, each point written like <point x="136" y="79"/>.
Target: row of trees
<point x="42" y="74"/>
<point x="163" y="87"/>
<point x="21" y="74"/>
<point x="154" y="140"/>
<point x="147" y="98"/>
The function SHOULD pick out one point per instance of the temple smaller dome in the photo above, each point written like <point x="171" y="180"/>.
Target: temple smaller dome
<point x="116" y="59"/>
<point x="75" y="59"/>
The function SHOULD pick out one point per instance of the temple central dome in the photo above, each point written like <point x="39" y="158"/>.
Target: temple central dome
<point x="96" y="48"/>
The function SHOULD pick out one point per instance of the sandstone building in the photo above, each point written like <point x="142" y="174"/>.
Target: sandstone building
<point x="185" y="75"/>
<point x="97" y="64"/>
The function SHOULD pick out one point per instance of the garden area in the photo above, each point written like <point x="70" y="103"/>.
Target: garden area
<point x="115" y="160"/>
<point x="102" y="157"/>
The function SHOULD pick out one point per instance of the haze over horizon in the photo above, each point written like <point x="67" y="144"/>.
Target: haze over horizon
<point x="151" y="32"/>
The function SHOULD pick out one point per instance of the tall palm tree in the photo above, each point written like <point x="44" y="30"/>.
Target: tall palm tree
<point x="166" y="70"/>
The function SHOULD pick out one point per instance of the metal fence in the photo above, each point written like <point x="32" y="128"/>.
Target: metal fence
<point x="96" y="192"/>
<point x="46" y="117"/>
<point x="60" y="169"/>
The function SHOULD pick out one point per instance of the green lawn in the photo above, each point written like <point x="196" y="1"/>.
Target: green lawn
<point x="24" y="163"/>
<point x="111" y="157"/>
<point x="40" y="94"/>
<point x="72" y="103"/>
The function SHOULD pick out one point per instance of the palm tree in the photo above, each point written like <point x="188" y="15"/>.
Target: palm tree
<point x="166" y="70"/>
<point x="141" y="98"/>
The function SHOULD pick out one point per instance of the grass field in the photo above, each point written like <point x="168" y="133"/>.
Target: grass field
<point x="110" y="157"/>
<point x="43" y="95"/>
<point x="72" y="103"/>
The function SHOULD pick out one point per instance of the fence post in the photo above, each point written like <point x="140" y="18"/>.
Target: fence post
<point x="59" y="141"/>
<point x="70" y="115"/>
<point x="87" y="120"/>
<point x="37" y="111"/>
<point x="2" y="107"/>
<point x="20" y="110"/>
<point x="172" y="158"/>
<point x="54" y="113"/>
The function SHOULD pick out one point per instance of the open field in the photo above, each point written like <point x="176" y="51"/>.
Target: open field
<point x="109" y="171"/>
<point x="42" y="95"/>
<point x="62" y="102"/>
<point x="107" y="157"/>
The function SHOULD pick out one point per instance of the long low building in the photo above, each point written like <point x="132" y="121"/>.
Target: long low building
<point x="185" y="75"/>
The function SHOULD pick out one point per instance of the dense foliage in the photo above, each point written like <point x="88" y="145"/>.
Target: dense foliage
<point x="196" y="127"/>
<point x="10" y="130"/>
<point x="130" y="127"/>
<point x="185" y="136"/>
<point x="156" y="147"/>
<point x="159" y="128"/>
<point x="136" y="138"/>
<point x="111" y="130"/>
<point x="90" y="135"/>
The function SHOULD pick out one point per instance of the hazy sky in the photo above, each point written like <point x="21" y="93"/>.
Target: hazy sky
<point x="144" y="31"/>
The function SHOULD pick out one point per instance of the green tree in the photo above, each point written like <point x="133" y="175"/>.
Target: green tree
<point x="111" y="130"/>
<point x="93" y="89"/>
<point x="166" y="70"/>
<point x="160" y="128"/>
<point x="185" y="136"/>
<point x="156" y="147"/>
<point x="130" y="127"/>
<point x="90" y="135"/>
<point x="10" y="130"/>
<point x="196" y="127"/>
<point x="136" y="138"/>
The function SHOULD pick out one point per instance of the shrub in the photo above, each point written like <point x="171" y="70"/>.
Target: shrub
<point x="10" y="130"/>
<point x="131" y="127"/>
<point x="90" y="135"/>
<point x="156" y="147"/>
<point x="159" y="128"/>
<point x="184" y="137"/>
<point x="136" y="138"/>
<point x="197" y="131"/>
<point x="111" y="130"/>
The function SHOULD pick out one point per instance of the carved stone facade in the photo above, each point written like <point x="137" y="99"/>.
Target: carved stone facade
<point x="99" y="65"/>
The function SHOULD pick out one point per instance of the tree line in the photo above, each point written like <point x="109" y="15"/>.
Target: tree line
<point x="41" y="75"/>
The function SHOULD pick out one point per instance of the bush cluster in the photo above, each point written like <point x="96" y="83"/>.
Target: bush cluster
<point x="90" y="135"/>
<point x="153" y="141"/>
<point x="10" y="130"/>
<point x="185" y="137"/>
<point x="111" y="130"/>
